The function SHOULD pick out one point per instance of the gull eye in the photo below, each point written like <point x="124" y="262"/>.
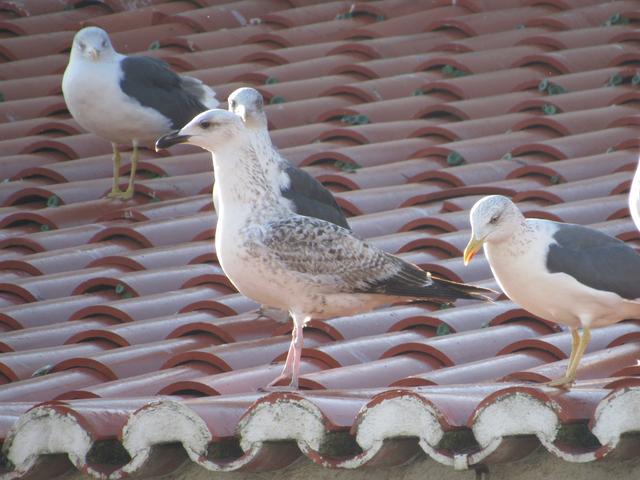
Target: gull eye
<point x="82" y="45"/>
<point x="104" y="44"/>
<point x="204" y="124"/>
<point x="233" y="104"/>
<point x="494" y="219"/>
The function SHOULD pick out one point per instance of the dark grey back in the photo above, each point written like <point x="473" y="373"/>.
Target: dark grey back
<point x="151" y="82"/>
<point x="596" y="260"/>
<point x="312" y="199"/>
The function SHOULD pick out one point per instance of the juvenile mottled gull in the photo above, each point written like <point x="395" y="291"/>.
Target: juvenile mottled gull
<point x="304" y="265"/>
<point x="634" y="197"/>
<point x="569" y="274"/>
<point x="127" y="99"/>
<point x="300" y="191"/>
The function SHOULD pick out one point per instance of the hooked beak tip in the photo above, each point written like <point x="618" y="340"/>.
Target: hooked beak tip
<point x="171" y="138"/>
<point x="471" y="249"/>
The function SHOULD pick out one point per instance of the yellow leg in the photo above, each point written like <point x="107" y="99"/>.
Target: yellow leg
<point x="574" y="360"/>
<point x="128" y="193"/>
<point x="115" y="189"/>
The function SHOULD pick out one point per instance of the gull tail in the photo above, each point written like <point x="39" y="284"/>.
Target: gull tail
<point x="449" y="290"/>
<point x="202" y="92"/>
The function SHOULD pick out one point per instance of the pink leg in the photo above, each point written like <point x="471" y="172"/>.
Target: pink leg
<point x="297" y="342"/>
<point x="292" y="363"/>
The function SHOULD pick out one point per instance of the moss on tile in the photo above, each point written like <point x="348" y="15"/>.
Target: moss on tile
<point x="225" y="449"/>
<point x="340" y="444"/>
<point x="108" y="452"/>
<point x="577" y="435"/>
<point x="460" y="440"/>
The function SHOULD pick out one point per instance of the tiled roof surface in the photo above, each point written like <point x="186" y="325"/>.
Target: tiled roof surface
<point x="120" y="329"/>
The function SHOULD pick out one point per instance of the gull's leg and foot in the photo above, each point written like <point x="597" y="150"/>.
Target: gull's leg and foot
<point x="291" y="368"/>
<point x="115" y="189"/>
<point x="577" y="350"/>
<point x="128" y="193"/>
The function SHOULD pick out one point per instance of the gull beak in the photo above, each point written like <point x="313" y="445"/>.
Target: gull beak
<point x="93" y="54"/>
<point x="471" y="249"/>
<point x="171" y="138"/>
<point x="241" y="111"/>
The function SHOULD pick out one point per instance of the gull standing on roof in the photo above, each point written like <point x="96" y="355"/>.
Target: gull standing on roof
<point x="304" y="265"/>
<point x="634" y="197"/>
<point x="127" y="99"/>
<point x="302" y="193"/>
<point x="565" y="273"/>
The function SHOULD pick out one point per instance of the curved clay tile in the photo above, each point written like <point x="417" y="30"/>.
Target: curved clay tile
<point x="580" y="100"/>
<point x="53" y="22"/>
<point x="407" y="24"/>
<point x="308" y="14"/>
<point x="580" y="168"/>
<point x="161" y="210"/>
<point x="485" y="84"/>
<point x="489" y="41"/>
<point x="23" y="88"/>
<point x="47" y="312"/>
<point x="322" y="32"/>
<point x="32" y="67"/>
<point x="573" y="123"/>
<point x="585" y="17"/>
<point x="387" y="88"/>
<point x="40" y="389"/>
<point x="62" y="260"/>
<point x="280" y="56"/>
<point x="580" y="59"/>
<point x="16" y="366"/>
<point x="578" y="145"/>
<point x="140" y="17"/>
<point x="489" y="369"/>
<point x="154" y="233"/>
<point x="29" y="108"/>
<point x="50" y="335"/>
<point x="481" y="61"/>
<point x="218" y="17"/>
<point x="578" y="190"/>
<point x="584" y="37"/>
<point x="481" y="23"/>
<point x="301" y="89"/>
<point x="302" y="70"/>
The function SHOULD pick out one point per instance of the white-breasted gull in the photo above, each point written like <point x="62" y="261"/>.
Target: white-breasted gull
<point x="634" y="197"/>
<point x="304" y="265"/>
<point x="568" y="274"/>
<point x="301" y="192"/>
<point x="127" y="99"/>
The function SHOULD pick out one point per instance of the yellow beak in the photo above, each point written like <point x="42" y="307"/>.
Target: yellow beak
<point x="471" y="249"/>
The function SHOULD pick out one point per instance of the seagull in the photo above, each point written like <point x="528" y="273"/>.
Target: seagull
<point x="303" y="265"/>
<point x="565" y="273"/>
<point x="634" y="197"/>
<point x="302" y="193"/>
<point x="127" y="99"/>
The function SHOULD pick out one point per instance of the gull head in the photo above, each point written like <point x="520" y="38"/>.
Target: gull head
<point x="93" y="44"/>
<point x="248" y="104"/>
<point x="493" y="219"/>
<point x="210" y="130"/>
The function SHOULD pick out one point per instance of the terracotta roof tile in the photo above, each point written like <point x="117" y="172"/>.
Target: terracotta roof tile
<point x="410" y="112"/>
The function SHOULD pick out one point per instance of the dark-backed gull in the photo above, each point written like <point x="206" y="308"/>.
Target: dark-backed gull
<point x="306" y="266"/>
<point x="127" y="99"/>
<point x="566" y="273"/>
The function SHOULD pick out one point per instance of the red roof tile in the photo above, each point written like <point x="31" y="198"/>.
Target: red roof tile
<point x="119" y="319"/>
